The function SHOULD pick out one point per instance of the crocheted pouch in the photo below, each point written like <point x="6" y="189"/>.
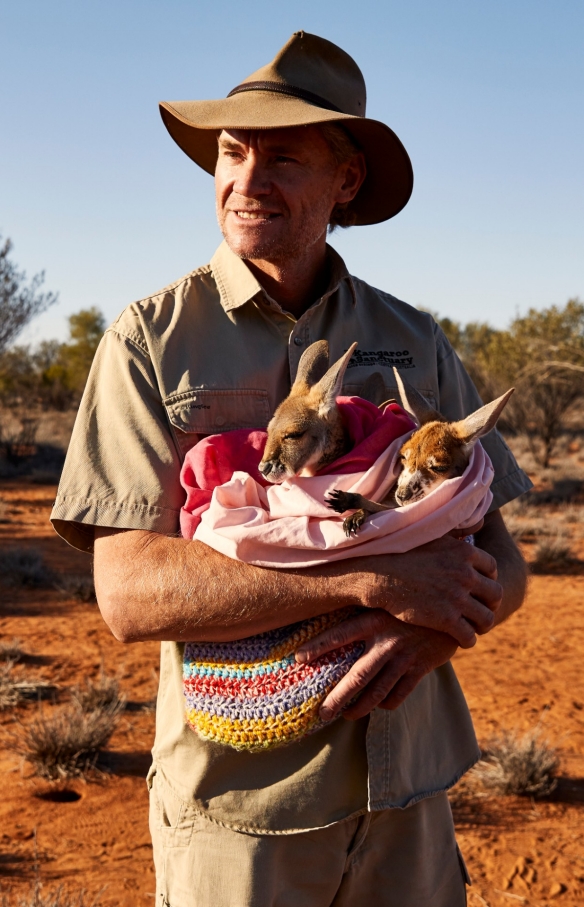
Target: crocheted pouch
<point x="251" y="694"/>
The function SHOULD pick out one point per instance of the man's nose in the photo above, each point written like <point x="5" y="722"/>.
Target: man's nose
<point x="252" y="178"/>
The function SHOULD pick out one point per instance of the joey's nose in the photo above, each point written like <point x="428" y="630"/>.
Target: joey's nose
<point x="267" y="466"/>
<point x="404" y="495"/>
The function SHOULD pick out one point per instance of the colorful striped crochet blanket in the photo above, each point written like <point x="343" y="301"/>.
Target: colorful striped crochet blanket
<point x="251" y="694"/>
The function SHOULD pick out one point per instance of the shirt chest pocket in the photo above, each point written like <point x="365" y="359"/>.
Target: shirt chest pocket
<point x="205" y="411"/>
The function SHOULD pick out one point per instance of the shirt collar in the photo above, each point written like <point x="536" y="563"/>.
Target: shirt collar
<point x="237" y="285"/>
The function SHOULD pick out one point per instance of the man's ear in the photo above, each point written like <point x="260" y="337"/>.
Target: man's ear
<point x="355" y="174"/>
<point x="330" y="385"/>
<point x="414" y="403"/>
<point x="313" y="364"/>
<point x="482" y="420"/>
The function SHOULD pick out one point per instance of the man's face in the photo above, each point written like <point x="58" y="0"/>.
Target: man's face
<point x="275" y="191"/>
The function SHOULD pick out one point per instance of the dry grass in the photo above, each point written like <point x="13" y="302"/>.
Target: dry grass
<point x="59" y="897"/>
<point x="14" y="691"/>
<point x="77" y="586"/>
<point x="552" y="554"/>
<point x="67" y="744"/>
<point x="523" y="765"/>
<point x="98" y="695"/>
<point x="24" y="567"/>
<point x="11" y="650"/>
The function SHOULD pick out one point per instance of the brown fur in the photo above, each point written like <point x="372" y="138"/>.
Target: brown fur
<point x="307" y="431"/>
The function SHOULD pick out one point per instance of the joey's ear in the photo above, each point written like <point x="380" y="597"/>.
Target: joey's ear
<point x="373" y="389"/>
<point x="329" y="387"/>
<point x="482" y="421"/>
<point x="313" y="363"/>
<point x="414" y="403"/>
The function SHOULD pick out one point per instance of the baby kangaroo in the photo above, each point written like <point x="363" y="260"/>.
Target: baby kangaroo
<point x="307" y="432"/>
<point x="437" y="450"/>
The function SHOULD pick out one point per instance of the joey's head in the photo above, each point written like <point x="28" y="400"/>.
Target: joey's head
<point x="307" y="432"/>
<point x="438" y="449"/>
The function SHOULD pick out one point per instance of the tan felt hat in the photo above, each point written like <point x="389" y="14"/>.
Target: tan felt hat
<point x="310" y="80"/>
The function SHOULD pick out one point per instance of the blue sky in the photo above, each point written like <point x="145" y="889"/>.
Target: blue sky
<point x="487" y="98"/>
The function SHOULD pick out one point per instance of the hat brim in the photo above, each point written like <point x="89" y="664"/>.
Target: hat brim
<point x="389" y="182"/>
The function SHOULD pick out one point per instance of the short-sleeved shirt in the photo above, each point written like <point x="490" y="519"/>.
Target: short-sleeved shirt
<point x="210" y="353"/>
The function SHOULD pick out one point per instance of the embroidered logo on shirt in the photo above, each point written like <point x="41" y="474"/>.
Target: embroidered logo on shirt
<point x="386" y="358"/>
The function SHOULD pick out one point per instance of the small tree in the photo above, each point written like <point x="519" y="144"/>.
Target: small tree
<point x="542" y="355"/>
<point x="19" y="301"/>
<point x="54" y="374"/>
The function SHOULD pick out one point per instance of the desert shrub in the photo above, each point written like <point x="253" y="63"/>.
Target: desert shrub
<point x="552" y="554"/>
<point x="24" y="567"/>
<point x="59" y="897"/>
<point x="104" y="693"/>
<point x="67" y="744"/>
<point x="15" y="689"/>
<point x="77" y="586"/>
<point x="11" y="650"/>
<point x="523" y="765"/>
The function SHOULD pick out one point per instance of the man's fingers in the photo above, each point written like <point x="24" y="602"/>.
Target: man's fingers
<point x="470" y="530"/>
<point x="483" y="562"/>
<point x="464" y="633"/>
<point x="488" y="591"/>
<point x="362" y="626"/>
<point x="400" y="692"/>
<point x="363" y="671"/>
<point x="375" y="692"/>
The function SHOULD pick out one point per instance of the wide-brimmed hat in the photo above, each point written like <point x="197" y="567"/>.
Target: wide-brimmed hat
<point x="309" y="81"/>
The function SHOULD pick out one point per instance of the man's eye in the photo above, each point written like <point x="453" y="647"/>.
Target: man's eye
<point x="294" y="435"/>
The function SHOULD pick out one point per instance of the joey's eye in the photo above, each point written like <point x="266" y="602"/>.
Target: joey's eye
<point x="294" y="435"/>
<point x="439" y="468"/>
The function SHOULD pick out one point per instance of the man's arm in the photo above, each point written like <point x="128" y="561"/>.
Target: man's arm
<point x="150" y="586"/>
<point x="398" y="655"/>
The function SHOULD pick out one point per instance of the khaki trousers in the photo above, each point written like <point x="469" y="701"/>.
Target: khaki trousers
<point x="394" y="858"/>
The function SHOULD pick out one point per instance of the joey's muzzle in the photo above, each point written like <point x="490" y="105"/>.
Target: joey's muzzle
<point x="272" y="470"/>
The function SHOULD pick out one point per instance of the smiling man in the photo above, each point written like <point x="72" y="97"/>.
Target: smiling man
<point x="356" y="812"/>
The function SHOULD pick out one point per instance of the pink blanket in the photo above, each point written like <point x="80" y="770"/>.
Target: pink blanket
<point x="231" y="508"/>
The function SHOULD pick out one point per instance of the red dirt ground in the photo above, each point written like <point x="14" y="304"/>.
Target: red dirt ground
<point x="519" y="851"/>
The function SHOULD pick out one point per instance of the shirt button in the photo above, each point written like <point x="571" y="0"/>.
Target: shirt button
<point x="298" y="341"/>
<point x="219" y="420"/>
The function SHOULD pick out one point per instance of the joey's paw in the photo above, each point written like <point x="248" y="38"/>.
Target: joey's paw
<point x="353" y="523"/>
<point x="340" y="501"/>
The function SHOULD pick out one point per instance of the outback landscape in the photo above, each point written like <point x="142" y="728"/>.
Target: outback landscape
<point x="77" y="708"/>
<point x="83" y="839"/>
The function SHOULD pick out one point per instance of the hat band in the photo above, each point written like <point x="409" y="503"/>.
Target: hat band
<point x="289" y="90"/>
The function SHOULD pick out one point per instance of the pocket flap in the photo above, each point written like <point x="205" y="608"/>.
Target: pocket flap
<point x="204" y="411"/>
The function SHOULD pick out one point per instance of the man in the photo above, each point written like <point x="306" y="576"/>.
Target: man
<point x="356" y="812"/>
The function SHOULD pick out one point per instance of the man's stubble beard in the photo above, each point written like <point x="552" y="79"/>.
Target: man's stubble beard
<point x="283" y="250"/>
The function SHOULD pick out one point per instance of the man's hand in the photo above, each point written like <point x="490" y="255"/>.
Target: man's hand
<point x="396" y="657"/>
<point x="446" y="585"/>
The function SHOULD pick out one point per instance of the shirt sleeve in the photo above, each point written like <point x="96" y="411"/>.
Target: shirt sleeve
<point x="458" y="398"/>
<point x="122" y="467"/>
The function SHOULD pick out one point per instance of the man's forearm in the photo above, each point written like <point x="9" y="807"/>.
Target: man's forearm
<point x="511" y="567"/>
<point x="150" y="586"/>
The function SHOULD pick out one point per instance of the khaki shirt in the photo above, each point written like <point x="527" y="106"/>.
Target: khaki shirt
<point x="210" y="353"/>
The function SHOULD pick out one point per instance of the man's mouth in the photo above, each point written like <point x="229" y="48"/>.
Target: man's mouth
<point x="256" y="215"/>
